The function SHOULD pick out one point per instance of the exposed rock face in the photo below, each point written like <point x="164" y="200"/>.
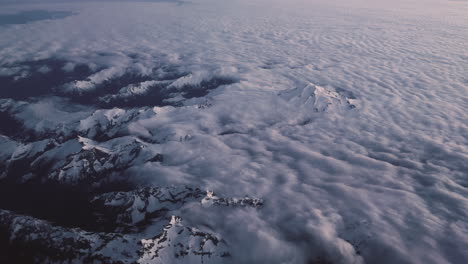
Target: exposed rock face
<point x="212" y="199"/>
<point x="93" y="162"/>
<point x="21" y="163"/>
<point x="65" y="165"/>
<point x="186" y="244"/>
<point x="75" y="161"/>
<point x="136" y="230"/>
<point x="106" y="123"/>
<point x="128" y="209"/>
<point x="47" y="243"/>
<point x="131" y="208"/>
<point x="53" y="244"/>
<point x="84" y="164"/>
<point x="130" y="92"/>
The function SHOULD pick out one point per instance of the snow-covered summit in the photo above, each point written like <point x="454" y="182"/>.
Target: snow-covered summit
<point x="182" y="244"/>
<point x="318" y="99"/>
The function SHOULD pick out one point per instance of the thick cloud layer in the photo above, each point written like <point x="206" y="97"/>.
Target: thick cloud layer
<point x="347" y="118"/>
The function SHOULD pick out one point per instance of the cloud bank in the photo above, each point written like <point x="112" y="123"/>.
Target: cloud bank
<point x="348" y="120"/>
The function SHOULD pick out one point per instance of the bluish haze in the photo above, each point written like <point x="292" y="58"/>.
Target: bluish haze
<point x="235" y="131"/>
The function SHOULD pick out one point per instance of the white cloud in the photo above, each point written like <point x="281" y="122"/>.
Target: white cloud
<point x="387" y="179"/>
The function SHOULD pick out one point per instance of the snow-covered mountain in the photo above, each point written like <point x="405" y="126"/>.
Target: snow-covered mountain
<point x="53" y="244"/>
<point x="318" y="99"/>
<point x="121" y="212"/>
<point x="244" y="131"/>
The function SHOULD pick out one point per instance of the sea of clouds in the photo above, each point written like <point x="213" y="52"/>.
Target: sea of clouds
<point x="383" y="181"/>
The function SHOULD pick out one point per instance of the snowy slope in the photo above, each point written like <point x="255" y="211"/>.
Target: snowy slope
<point x="345" y="120"/>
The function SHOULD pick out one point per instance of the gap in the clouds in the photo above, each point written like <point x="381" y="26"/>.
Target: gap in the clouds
<point x="30" y="16"/>
<point x="10" y="126"/>
<point x="62" y="205"/>
<point x="55" y="77"/>
<point x="205" y="87"/>
<point x="37" y="81"/>
<point x="38" y="78"/>
<point x="160" y="95"/>
<point x="109" y="95"/>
